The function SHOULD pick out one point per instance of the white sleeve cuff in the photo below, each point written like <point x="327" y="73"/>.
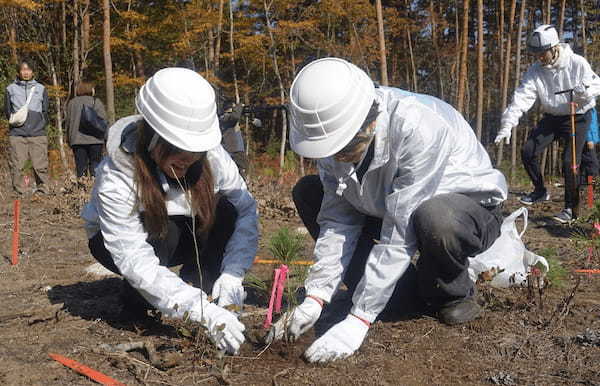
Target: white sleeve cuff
<point x="320" y="293"/>
<point x="368" y="316"/>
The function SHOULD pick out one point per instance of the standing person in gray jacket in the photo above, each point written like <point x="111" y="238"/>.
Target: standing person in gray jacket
<point x="87" y="149"/>
<point x="29" y="140"/>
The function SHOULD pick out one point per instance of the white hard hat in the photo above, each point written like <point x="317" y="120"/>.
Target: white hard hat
<point x="542" y="39"/>
<point x="329" y="101"/>
<point x="179" y="105"/>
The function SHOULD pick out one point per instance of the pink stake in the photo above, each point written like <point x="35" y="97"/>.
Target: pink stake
<point x="597" y="228"/>
<point x="280" y="285"/>
<point x="269" y="317"/>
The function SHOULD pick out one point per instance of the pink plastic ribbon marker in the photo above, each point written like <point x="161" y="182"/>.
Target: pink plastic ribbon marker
<point x="280" y="285"/>
<point x="269" y="317"/>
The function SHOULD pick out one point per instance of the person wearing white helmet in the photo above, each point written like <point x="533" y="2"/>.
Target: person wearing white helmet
<point x="399" y="172"/>
<point x="168" y="194"/>
<point x="557" y="69"/>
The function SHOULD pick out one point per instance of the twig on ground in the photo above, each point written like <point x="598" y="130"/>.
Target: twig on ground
<point x="562" y="310"/>
<point x="35" y="315"/>
<point x="153" y="357"/>
<point x="259" y="354"/>
<point x="281" y="373"/>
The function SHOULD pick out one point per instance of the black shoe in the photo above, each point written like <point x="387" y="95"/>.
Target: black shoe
<point x="460" y="311"/>
<point x="565" y="216"/>
<point x="535" y="196"/>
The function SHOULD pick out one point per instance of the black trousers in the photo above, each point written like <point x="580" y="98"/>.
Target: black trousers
<point x="589" y="163"/>
<point x="178" y="249"/>
<point x="549" y="128"/>
<point x="87" y="157"/>
<point x="450" y="228"/>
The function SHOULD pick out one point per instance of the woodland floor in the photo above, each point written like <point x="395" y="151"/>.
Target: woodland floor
<point x="49" y="304"/>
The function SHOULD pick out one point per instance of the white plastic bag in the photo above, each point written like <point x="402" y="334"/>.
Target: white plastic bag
<point x="18" y="118"/>
<point x="508" y="255"/>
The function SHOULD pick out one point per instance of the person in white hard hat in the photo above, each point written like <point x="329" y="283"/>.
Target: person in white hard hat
<point x="557" y="69"/>
<point x="169" y="194"/>
<point x="399" y="172"/>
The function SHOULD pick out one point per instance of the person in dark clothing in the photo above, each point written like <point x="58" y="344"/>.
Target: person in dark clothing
<point x="589" y="160"/>
<point x="557" y="70"/>
<point x="229" y="117"/>
<point x="232" y="139"/>
<point x="28" y="139"/>
<point x="87" y="149"/>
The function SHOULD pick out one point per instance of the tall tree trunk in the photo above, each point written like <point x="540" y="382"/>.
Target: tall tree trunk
<point x="412" y="61"/>
<point x="515" y="139"/>
<point x="76" y="72"/>
<point x="63" y="17"/>
<point x="434" y="40"/>
<point x="218" y="38"/>
<point x="458" y="52"/>
<point x="281" y="90"/>
<point x="12" y="41"/>
<point x="506" y="77"/>
<point x="555" y="162"/>
<point x="543" y="162"/>
<point x="548" y="12"/>
<point x="59" y="128"/>
<point x="110" y="89"/>
<point x="85" y="34"/>
<point x="583" y="29"/>
<point x="232" y="52"/>
<point x="479" y="126"/>
<point x="139" y="64"/>
<point x="211" y="48"/>
<point x="501" y="46"/>
<point x="561" y="19"/>
<point x="575" y="41"/>
<point x="462" y="79"/>
<point x="382" y="54"/>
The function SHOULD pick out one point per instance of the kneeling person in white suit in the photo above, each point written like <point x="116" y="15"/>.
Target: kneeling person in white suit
<point x="168" y="194"/>
<point x="398" y="173"/>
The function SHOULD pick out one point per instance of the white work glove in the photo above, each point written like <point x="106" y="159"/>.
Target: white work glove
<point x="224" y="329"/>
<point x="229" y="290"/>
<point x="580" y="95"/>
<point x="296" y="322"/>
<point x="504" y="133"/>
<point x="339" y="342"/>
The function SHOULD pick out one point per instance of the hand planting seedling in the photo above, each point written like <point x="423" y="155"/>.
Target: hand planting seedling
<point x="285" y="246"/>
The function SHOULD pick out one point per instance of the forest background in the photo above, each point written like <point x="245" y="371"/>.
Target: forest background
<point x="469" y="53"/>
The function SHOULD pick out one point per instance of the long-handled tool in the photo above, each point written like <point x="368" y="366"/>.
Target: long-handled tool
<point x="573" y="109"/>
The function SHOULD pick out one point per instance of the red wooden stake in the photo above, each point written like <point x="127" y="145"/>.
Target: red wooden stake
<point x="15" y="236"/>
<point x="590" y="181"/>
<point x="88" y="372"/>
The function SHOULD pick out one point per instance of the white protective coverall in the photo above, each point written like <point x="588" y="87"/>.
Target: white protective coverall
<point x="542" y="82"/>
<point x="423" y="148"/>
<point x="112" y="211"/>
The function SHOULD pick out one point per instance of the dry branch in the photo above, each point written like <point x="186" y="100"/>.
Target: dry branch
<point x="160" y="362"/>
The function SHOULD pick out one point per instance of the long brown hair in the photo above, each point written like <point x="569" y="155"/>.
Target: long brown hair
<point x="198" y="184"/>
<point x="84" y="88"/>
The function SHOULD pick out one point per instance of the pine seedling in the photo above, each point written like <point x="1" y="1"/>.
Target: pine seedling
<point x="286" y="245"/>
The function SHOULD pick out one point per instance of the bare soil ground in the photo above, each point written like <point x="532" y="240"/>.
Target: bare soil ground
<point x="50" y="305"/>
